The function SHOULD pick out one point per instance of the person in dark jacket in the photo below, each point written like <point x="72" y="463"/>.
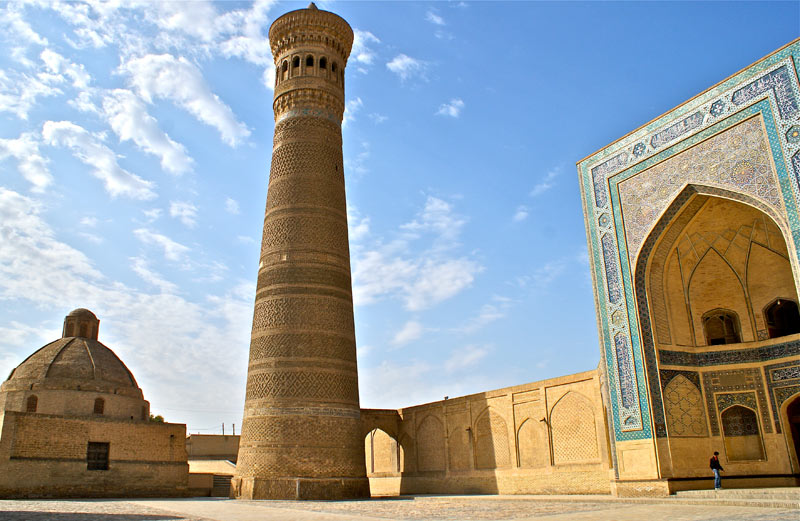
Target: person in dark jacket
<point x="717" y="468"/>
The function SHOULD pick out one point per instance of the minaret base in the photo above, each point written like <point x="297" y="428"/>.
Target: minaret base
<point x="300" y="488"/>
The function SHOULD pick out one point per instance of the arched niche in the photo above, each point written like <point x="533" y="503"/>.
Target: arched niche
<point x="382" y="453"/>
<point x="491" y="441"/>
<point x="573" y="430"/>
<point x="534" y="449"/>
<point x="430" y="444"/>
<point x="735" y="234"/>
<point x="742" y="434"/>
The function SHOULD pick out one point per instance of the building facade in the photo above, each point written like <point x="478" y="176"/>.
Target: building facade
<point x="693" y="230"/>
<point x="74" y="423"/>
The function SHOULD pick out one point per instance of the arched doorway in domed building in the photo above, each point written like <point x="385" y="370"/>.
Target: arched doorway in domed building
<point x="718" y="310"/>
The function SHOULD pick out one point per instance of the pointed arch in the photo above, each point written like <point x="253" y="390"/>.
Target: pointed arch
<point x="742" y="434"/>
<point x="573" y="430"/>
<point x="683" y="402"/>
<point x="430" y="444"/>
<point x="491" y="440"/>
<point x="534" y="449"/>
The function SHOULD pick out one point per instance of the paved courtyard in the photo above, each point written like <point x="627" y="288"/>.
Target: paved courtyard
<point x="452" y="508"/>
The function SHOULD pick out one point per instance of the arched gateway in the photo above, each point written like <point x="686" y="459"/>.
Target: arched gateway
<point x="693" y="229"/>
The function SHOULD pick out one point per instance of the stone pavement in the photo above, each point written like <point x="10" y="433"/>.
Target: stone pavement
<point x="435" y="508"/>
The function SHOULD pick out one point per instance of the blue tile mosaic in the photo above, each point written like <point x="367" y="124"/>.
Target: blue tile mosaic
<point x="780" y="82"/>
<point x="612" y="274"/>
<point x="783" y="381"/>
<point x="735" y="381"/>
<point x="625" y="370"/>
<point x="599" y="174"/>
<point x="678" y="129"/>
<point x="756" y="90"/>
<point x="736" y="356"/>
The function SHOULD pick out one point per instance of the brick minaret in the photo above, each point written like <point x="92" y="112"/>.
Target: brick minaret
<point x="301" y="435"/>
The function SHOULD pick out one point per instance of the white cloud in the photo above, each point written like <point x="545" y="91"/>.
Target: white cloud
<point x="350" y="109"/>
<point x="177" y="79"/>
<point x="91" y="151"/>
<point x="521" y="214"/>
<point x="547" y="182"/>
<point x="57" y="64"/>
<point x="172" y="250"/>
<point x="89" y="222"/>
<point x="421" y="278"/>
<point x="465" y="357"/>
<point x="186" y="212"/>
<point x="452" y="109"/>
<point x="18" y="92"/>
<point x="141" y="267"/>
<point x="178" y="366"/>
<point x="128" y="117"/>
<point x="437" y="216"/>
<point x="412" y="330"/>
<point x="231" y="206"/>
<point x="193" y="18"/>
<point x="12" y="19"/>
<point x="357" y="226"/>
<point x="487" y="314"/>
<point x="434" y="18"/>
<point x="32" y="165"/>
<point x="361" y="51"/>
<point x="152" y="214"/>
<point x="406" y="66"/>
<point x="440" y="280"/>
<point x="378" y="118"/>
<point x="356" y="166"/>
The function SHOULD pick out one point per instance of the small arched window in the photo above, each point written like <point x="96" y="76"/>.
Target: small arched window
<point x="721" y="327"/>
<point x="32" y="403"/>
<point x="782" y="318"/>
<point x="323" y="63"/>
<point x="333" y="67"/>
<point x="99" y="406"/>
<point x="296" y="62"/>
<point x="309" y="61"/>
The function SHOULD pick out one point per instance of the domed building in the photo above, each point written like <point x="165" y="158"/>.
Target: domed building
<point x="74" y="423"/>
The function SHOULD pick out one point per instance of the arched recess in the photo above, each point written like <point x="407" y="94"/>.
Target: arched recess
<point x="714" y="285"/>
<point x="407" y="453"/>
<point x="653" y="264"/>
<point x="573" y="430"/>
<point x="458" y="453"/>
<point x="32" y="403"/>
<point x="382" y="453"/>
<point x="686" y="416"/>
<point x="781" y="317"/>
<point x="791" y="418"/>
<point x="534" y="450"/>
<point x="430" y="444"/>
<point x="491" y="441"/>
<point x="742" y="434"/>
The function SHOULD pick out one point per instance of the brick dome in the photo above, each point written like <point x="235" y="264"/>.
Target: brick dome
<point x="67" y="376"/>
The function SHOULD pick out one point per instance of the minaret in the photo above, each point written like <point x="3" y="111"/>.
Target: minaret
<point x="301" y="436"/>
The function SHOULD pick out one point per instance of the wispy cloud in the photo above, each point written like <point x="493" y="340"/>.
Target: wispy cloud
<point x="103" y="160"/>
<point x="351" y="108"/>
<point x="173" y="251"/>
<point x="128" y="117"/>
<point x="452" y="109"/>
<point x="434" y="18"/>
<point x="231" y="206"/>
<point x="465" y="357"/>
<point x="362" y="51"/>
<point x="30" y="162"/>
<point x="406" y="67"/>
<point x="184" y="211"/>
<point x="420" y="276"/>
<point x="411" y="330"/>
<point x="547" y="182"/>
<point x="177" y="79"/>
<point x="521" y="214"/>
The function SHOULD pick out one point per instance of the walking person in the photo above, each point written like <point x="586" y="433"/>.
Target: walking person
<point x="717" y="468"/>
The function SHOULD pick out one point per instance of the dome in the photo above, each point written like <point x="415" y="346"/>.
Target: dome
<point x="82" y="312"/>
<point x="75" y="363"/>
<point x="72" y="362"/>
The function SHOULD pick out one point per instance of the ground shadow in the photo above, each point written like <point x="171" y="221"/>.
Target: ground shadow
<point x="14" y="515"/>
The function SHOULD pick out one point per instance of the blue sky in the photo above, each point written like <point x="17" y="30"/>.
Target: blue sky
<point x="135" y="141"/>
